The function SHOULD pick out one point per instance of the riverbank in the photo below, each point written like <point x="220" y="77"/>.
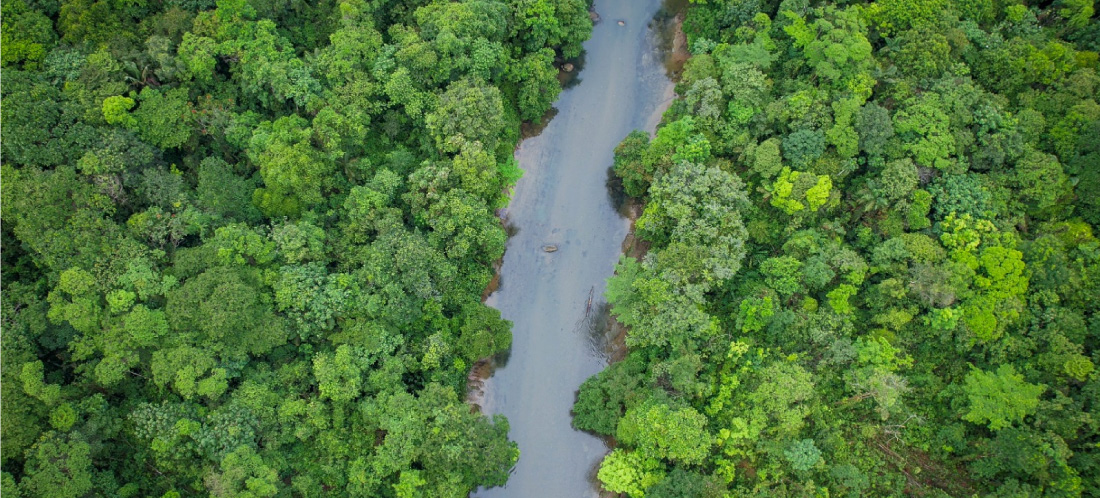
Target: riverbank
<point x="669" y="23"/>
<point x="555" y="299"/>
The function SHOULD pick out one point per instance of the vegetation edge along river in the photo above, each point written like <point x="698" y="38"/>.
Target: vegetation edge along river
<point x="564" y="202"/>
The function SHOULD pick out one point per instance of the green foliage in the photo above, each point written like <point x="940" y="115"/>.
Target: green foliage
<point x="701" y="244"/>
<point x="1000" y="398"/>
<point x="241" y="245"/>
<point x="223" y="193"/>
<point x="1076" y="12"/>
<point x="917" y="246"/>
<point x="603" y="399"/>
<point x="794" y="191"/>
<point x="755" y="313"/>
<point x="924" y="127"/>
<point x="552" y="23"/>
<point x="698" y="207"/>
<point x="1040" y="181"/>
<point x="630" y="163"/>
<point x="469" y="111"/>
<point x="34" y="385"/>
<point x="839" y="299"/>
<point x="538" y="84"/>
<point x="628" y="472"/>
<point x="657" y="430"/>
<point x="163" y="118"/>
<point x="767" y="161"/>
<point x="894" y="16"/>
<point x="116" y="111"/>
<point x="782" y="274"/>
<point x="783" y="399"/>
<point x="924" y="53"/>
<point x="683" y="483"/>
<point x="244" y="242"/>
<point x="27" y="35"/>
<point x="58" y="466"/>
<point x="834" y="45"/>
<point x="919" y="206"/>
<point x="295" y="174"/>
<point x="22" y="415"/>
<point x="243" y="474"/>
<point x="648" y="303"/>
<point x="875" y="129"/>
<point x="897" y="180"/>
<point x="226" y="311"/>
<point x="312" y="298"/>
<point x="802" y="147"/>
<point x="339" y="377"/>
<point x="803" y="455"/>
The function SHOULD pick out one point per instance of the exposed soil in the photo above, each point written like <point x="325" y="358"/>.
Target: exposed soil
<point x="669" y="23"/>
<point x="475" y="383"/>
<point x="679" y="54"/>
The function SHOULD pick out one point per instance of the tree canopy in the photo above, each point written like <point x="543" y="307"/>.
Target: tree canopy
<point x="245" y="241"/>
<point x="872" y="264"/>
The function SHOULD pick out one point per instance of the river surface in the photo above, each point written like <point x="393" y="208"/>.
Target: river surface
<point x="564" y="200"/>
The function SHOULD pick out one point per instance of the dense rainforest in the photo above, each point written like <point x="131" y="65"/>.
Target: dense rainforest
<point x="245" y="241"/>
<point x="873" y="266"/>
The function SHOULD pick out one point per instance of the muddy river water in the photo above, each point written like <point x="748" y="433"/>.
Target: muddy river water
<point x="555" y="299"/>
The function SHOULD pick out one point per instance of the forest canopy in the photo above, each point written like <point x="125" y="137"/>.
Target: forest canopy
<point x="245" y="242"/>
<point x="873" y="264"/>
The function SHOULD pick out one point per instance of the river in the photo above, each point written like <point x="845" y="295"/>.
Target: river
<point x="563" y="200"/>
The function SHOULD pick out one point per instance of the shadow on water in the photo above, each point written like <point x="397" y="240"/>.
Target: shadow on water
<point x="511" y="229"/>
<point x="533" y="129"/>
<point x="593" y="477"/>
<point x="597" y="329"/>
<point x="500" y="360"/>
<point x="570" y="79"/>
<point x="616" y="194"/>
